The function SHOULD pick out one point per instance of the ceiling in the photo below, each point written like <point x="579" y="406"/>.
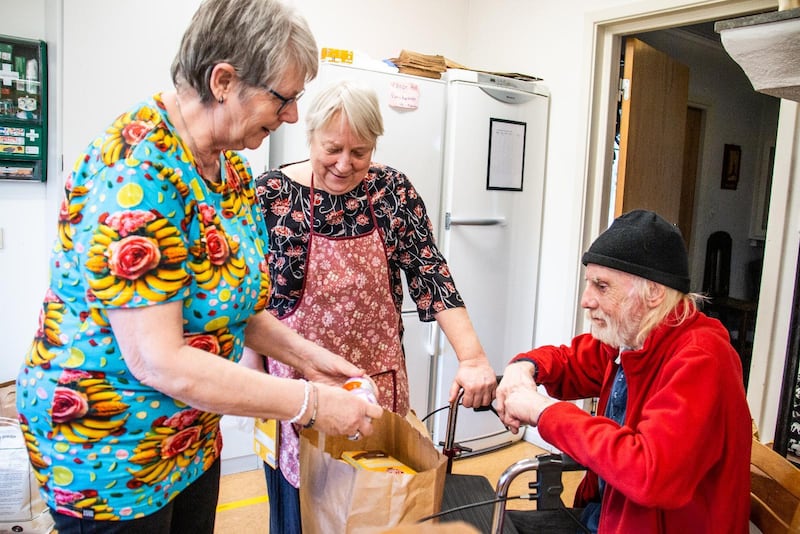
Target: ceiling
<point x="704" y="30"/>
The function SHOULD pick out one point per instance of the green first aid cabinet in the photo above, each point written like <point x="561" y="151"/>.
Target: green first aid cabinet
<point x="23" y="109"/>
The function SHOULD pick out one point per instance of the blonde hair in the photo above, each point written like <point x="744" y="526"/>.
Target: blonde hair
<point x="672" y="301"/>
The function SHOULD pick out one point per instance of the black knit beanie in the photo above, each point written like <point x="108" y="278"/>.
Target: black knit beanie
<point x="641" y="242"/>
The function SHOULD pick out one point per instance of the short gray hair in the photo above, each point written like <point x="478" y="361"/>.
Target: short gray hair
<point x="358" y="104"/>
<point x="262" y="39"/>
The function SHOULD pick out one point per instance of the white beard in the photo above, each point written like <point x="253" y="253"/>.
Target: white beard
<point x="613" y="333"/>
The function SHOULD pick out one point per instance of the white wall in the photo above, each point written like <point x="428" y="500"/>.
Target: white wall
<point x="107" y="65"/>
<point x="381" y="29"/>
<point x="24" y="221"/>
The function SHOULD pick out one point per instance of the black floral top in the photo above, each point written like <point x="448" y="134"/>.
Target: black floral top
<point x="402" y="222"/>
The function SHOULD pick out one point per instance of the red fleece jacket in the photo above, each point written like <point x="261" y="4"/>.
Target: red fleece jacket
<point x="681" y="462"/>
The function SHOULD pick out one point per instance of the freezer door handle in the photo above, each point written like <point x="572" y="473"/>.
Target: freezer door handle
<point x="509" y="97"/>
<point x="476" y="221"/>
<point x="432" y="337"/>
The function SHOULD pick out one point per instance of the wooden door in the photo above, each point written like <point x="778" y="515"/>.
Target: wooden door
<point x="652" y="130"/>
<point x="691" y="156"/>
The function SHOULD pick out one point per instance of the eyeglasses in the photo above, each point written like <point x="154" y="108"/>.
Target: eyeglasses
<point x="285" y="101"/>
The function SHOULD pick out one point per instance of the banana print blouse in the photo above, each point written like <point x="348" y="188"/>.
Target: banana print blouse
<point x="138" y="227"/>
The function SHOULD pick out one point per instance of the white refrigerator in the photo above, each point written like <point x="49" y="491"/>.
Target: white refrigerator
<point x="492" y="202"/>
<point x="486" y="212"/>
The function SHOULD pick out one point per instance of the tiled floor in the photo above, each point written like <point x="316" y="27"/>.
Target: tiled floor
<point x="243" y="507"/>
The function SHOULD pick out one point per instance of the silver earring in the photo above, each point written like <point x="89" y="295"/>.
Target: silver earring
<point x="221" y="100"/>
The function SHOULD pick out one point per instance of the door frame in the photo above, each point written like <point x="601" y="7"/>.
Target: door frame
<point x="605" y="29"/>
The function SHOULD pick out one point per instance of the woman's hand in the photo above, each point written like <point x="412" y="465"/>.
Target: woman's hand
<point x="479" y="381"/>
<point x="265" y="334"/>
<point x="322" y="365"/>
<point x="339" y="412"/>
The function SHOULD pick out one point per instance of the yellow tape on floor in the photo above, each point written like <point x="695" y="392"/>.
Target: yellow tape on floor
<point x="240" y="503"/>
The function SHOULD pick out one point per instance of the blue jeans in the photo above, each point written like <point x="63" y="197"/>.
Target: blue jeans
<point x="284" y="503"/>
<point x="191" y="512"/>
<point x="591" y="517"/>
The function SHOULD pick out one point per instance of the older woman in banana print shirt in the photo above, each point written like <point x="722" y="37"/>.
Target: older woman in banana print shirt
<point x="158" y="282"/>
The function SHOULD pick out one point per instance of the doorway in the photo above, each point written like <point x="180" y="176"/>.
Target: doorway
<point x="686" y="68"/>
<point x="610" y="26"/>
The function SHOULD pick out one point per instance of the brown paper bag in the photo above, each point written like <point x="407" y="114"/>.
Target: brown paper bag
<point x="453" y="527"/>
<point x="337" y="497"/>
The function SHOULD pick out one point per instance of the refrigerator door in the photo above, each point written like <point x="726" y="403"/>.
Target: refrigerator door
<point x="493" y="199"/>
<point x="413" y="110"/>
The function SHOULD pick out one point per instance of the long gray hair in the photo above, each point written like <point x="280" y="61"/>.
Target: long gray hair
<point x="260" y="38"/>
<point x="673" y="298"/>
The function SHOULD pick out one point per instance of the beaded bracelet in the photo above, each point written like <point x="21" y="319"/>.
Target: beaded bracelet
<point x="304" y="407"/>
<point x="314" y="410"/>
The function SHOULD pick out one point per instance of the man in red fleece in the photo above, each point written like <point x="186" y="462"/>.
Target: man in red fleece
<point x="669" y="451"/>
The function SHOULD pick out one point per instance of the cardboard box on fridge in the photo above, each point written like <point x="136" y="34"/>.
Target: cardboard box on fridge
<point x="337" y="497"/>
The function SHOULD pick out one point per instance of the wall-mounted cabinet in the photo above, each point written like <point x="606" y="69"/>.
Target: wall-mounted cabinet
<point x="23" y="109"/>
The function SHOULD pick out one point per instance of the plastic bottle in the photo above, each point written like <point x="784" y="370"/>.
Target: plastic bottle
<point x="363" y="387"/>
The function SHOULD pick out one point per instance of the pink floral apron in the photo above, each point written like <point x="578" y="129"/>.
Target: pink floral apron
<point x="347" y="307"/>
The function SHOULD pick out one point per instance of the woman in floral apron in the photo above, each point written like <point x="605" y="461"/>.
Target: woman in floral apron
<point x="342" y="230"/>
